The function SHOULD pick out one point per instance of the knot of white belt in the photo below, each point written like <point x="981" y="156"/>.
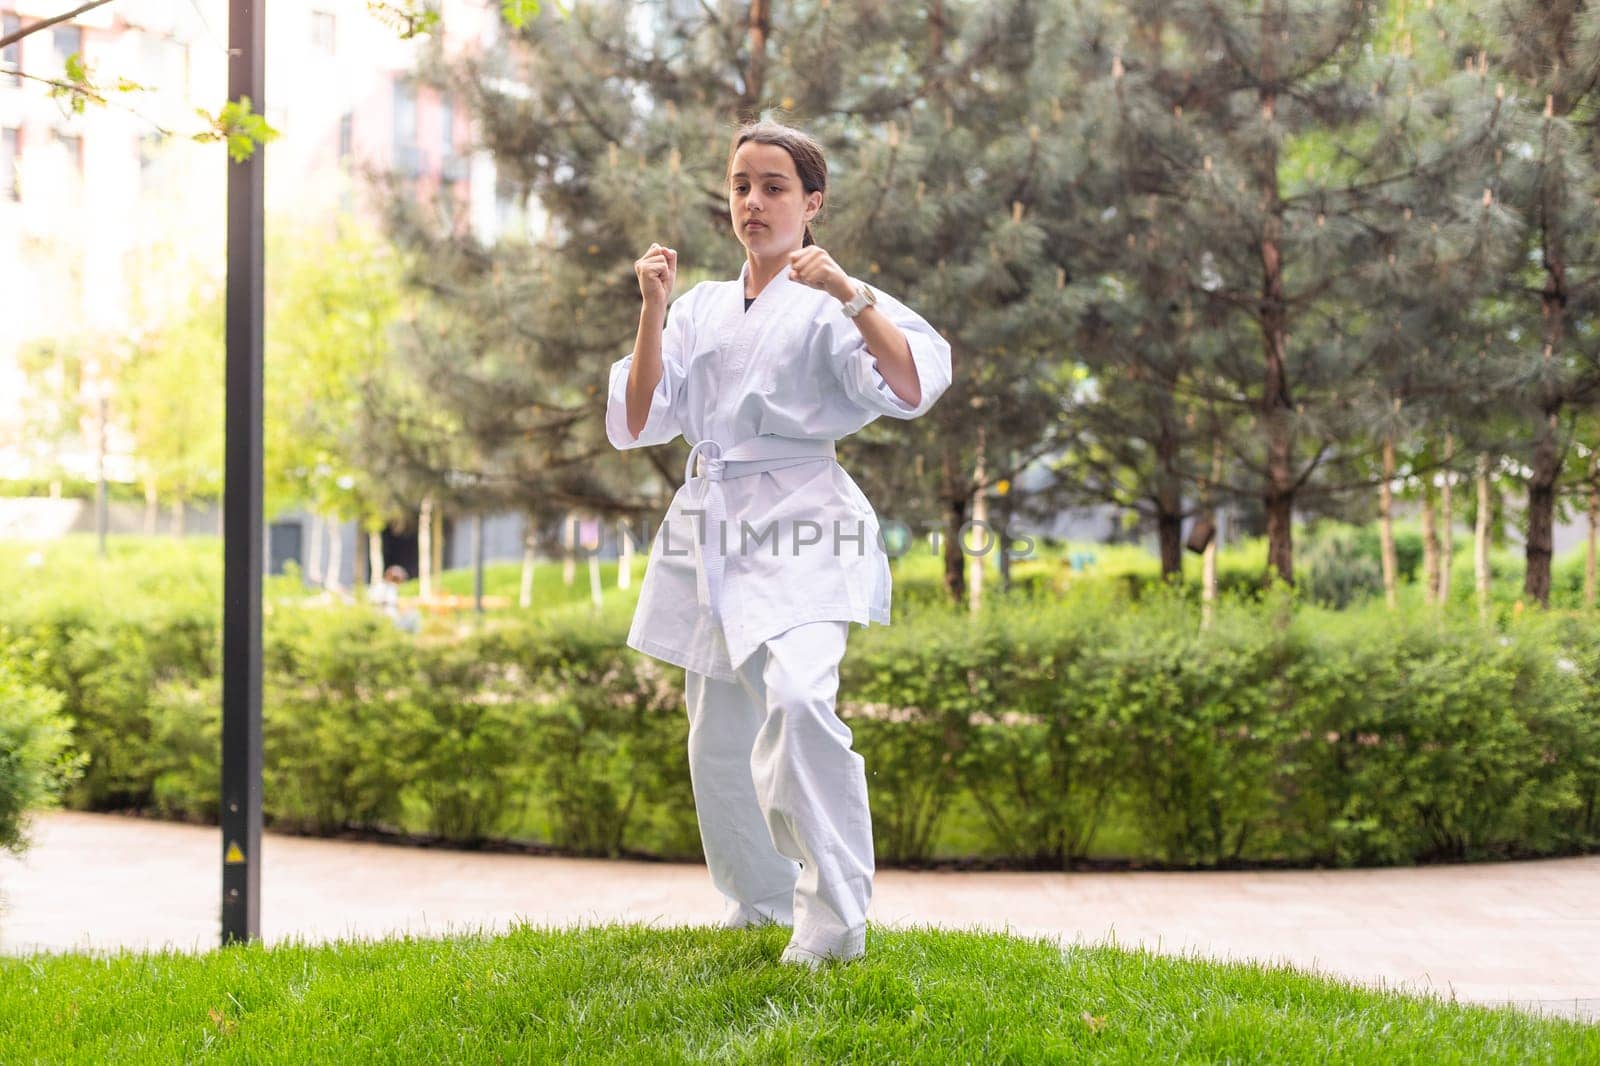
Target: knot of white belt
<point x="755" y="456"/>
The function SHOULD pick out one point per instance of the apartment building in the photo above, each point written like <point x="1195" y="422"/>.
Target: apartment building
<point x="109" y="216"/>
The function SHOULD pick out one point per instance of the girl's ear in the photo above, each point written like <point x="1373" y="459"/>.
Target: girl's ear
<point x="813" y="205"/>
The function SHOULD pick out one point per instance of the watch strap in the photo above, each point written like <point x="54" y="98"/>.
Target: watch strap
<point x="857" y="303"/>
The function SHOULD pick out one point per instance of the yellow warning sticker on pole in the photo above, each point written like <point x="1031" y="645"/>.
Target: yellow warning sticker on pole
<point x="234" y="855"/>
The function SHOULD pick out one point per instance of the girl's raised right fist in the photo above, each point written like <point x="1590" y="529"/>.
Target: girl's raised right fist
<point x="657" y="270"/>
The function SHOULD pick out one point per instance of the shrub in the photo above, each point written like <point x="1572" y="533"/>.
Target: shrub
<point x="36" y="762"/>
<point x="1284" y="732"/>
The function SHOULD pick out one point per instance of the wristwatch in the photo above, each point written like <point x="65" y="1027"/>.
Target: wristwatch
<point x="863" y="299"/>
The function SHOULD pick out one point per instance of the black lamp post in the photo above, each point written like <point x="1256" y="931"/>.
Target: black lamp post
<point x="242" y="525"/>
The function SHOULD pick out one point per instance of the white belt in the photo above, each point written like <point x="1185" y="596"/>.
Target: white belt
<point x="755" y="456"/>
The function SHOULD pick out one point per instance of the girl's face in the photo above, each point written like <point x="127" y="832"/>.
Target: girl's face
<point x="769" y="206"/>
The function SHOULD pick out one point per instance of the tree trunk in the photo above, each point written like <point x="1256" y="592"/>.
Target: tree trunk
<point x="1208" y="562"/>
<point x="375" y="559"/>
<point x="980" y="521"/>
<point x="477" y="563"/>
<point x="1169" y="493"/>
<point x="438" y="545"/>
<point x="955" y="516"/>
<point x="569" y="549"/>
<point x="1547" y="455"/>
<point x="1386" y="526"/>
<point x="314" y="557"/>
<point x="1003" y="541"/>
<point x="955" y="570"/>
<point x="360" y="575"/>
<point x="330" y="577"/>
<point x="177" y="517"/>
<point x="1541" y="510"/>
<point x="1589" y="547"/>
<point x="530" y="540"/>
<point x="1447" y="521"/>
<point x="1480" y="539"/>
<point x="1280" y="533"/>
<point x="1430" y="542"/>
<point x="1169" y="531"/>
<point x="1276" y="402"/>
<point x="756" y="68"/>
<point x="152" y="508"/>
<point x="425" y="550"/>
<point x="624" y="555"/>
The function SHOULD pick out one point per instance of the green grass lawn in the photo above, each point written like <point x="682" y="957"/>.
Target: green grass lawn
<point x="160" y="567"/>
<point x="504" y="580"/>
<point x="635" y="995"/>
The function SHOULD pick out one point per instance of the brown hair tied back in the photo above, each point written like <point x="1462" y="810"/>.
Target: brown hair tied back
<point x="809" y="163"/>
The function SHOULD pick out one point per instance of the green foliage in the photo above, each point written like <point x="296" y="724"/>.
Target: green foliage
<point x="1012" y="727"/>
<point x="76" y="90"/>
<point x="36" y="760"/>
<point x="1441" y="741"/>
<point x="1204" y="728"/>
<point x="518" y="13"/>
<point x="70" y="488"/>
<point x="342" y="707"/>
<point x="1343" y="564"/>
<point x="334" y="304"/>
<point x="1283" y="733"/>
<point x="171" y="397"/>
<point x="408" y="18"/>
<point x="609" y="735"/>
<point x="239" y="126"/>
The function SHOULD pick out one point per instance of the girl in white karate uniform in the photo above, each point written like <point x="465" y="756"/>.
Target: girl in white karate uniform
<point x="769" y="550"/>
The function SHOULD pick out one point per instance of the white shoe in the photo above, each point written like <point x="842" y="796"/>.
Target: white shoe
<point x="794" y="955"/>
<point x="744" y="918"/>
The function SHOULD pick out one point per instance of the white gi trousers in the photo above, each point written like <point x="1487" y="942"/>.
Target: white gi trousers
<point x="780" y="796"/>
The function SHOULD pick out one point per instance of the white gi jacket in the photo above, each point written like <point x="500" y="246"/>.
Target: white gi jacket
<point x="768" y="390"/>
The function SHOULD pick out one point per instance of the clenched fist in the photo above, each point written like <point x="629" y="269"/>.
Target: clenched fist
<point x="657" y="270"/>
<point x="813" y="266"/>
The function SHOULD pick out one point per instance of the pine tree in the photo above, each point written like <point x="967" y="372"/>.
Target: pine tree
<point x="1292" y="161"/>
<point x="621" y="138"/>
<point x="1551" y="48"/>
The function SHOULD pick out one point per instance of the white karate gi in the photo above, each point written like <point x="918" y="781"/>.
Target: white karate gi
<point x="763" y="394"/>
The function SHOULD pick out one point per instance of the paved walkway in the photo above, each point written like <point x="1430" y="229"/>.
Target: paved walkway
<point x="1527" y="933"/>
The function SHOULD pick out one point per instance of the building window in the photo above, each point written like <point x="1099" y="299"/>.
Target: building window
<point x="452" y="168"/>
<point x="407" y="155"/>
<point x="72" y="149"/>
<point x="11" y="54"/>
<point x="322" y="28"/>
<point x="68" y="41"/>
<point x="150" y="149"/>
<point x="347" y="135"/>
<point x="9" y="143"/>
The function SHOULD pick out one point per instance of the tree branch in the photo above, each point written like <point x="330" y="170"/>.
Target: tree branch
<point x="44" y="24"/>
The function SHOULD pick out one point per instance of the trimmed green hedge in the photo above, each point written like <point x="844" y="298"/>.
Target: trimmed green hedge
<point x="1281" y="734"/>
<point x="36" y="761"/>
